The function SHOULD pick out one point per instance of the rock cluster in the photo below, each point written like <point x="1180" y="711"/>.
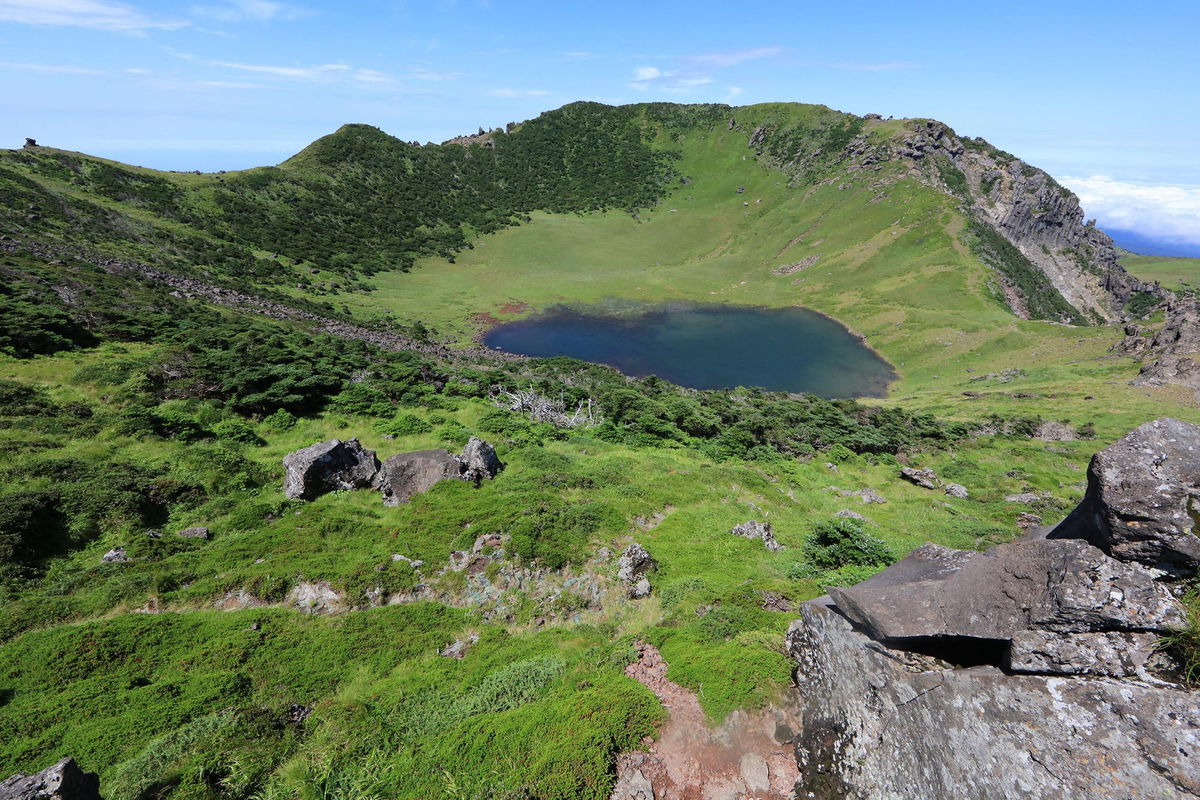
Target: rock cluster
<point x="632" y="568"/>
<point x="63" y="781"/>
<point x="1030" y="670"/>
<point x="1172" y="348"/>
<point x="753" y="529"/>
<point x="333" y="465"/>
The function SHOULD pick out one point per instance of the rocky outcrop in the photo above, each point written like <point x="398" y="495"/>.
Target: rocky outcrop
<point x="1030" y="670"/>
<point x="753" y="529"/>
<point x="63" y="781"/>
<point x="1142" y="494"/>
<point x="925" y="478"/>
<point x="1027" y="207"/>
<point x="633" y="568"/>
<point x="1169" y="354"/>
<point x="327" y="467"/>
<point x="882" y="723"/>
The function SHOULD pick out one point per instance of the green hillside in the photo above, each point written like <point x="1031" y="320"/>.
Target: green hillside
<point x="167" y="338"/>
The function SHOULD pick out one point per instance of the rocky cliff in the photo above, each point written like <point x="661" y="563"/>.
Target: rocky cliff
<point x="1040" y="218"/>
<point x="1032" y="670"/>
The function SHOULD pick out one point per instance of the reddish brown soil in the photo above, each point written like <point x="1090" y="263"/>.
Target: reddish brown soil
<point x="514" y="308"/>
<point x="743" y="759"/>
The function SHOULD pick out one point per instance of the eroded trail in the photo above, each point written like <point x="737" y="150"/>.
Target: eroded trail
<point x="747" y="758"/>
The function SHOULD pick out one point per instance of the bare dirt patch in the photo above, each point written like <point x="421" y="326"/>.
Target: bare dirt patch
<point x="749" y="757"/>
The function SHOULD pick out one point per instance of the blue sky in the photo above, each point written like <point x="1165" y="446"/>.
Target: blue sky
<point x="1102" y="94"/>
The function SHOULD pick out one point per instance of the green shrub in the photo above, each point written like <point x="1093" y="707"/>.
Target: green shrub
<point x="558" y="535"/>
<point x="403" y="425"/>
<point x="843" y="542"/>
<point x="235" y="430"/>
<point x="281" y="420"/>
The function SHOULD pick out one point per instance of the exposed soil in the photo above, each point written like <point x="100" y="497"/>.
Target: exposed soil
<point x="514" y="308"/>
<point x="749" y="757"/>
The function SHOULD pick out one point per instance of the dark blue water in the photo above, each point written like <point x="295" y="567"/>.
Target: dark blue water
<point x="707" y="346"/>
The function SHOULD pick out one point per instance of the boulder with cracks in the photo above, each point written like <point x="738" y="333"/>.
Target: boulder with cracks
<point x="1031" y="670"/>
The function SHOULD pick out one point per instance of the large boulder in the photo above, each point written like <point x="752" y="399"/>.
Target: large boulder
<point x="884" y="724"/>
<point x="1060" y="586"/>
<point x="407" y="474"/>
<point x="63" y="781"/>
<point x="328" y="466"/>
<point x="1141" y="495"/>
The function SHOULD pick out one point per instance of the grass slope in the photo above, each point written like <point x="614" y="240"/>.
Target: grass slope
<point x="1173" y="273"/>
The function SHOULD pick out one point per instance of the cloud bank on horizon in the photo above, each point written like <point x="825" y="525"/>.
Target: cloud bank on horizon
<point x="1167" y="212"/>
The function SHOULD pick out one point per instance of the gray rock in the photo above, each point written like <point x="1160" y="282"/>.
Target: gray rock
<point x="328" y="466"/>
<point x="115" y="556"/>
<point x="1115" y="654"/>
<point x="407" y="474"/>
<point x="316" y="597"/>
<point x="1022" y="497"/>
<point x="459" y="647"/>
<point x="753" y="529"/>
<point x="634" y="563"/>
<point x="865" y="496"/>
<point x="884" y="724"/>
<point x="63" y="781"/>
<point x="957" y="490"/>
<point x="846" y="513"/>
<point x="758" y="137"/>
<point x="194" y="533"/>
<point x="632" y="784"/>
<point x="480" y="460"/>
<point x="1062" y="586"/>
<point x="640" y="589"/>
<point x="1142" y="492"/>
<point x="925" y="478"/>
<point x="1026" y="520"/>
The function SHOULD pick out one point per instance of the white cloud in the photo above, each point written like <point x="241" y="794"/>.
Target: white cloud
<point x="252" y="10"/>
<point x="1163" y="211"/>
<point x="866" y="66"/>
<point x="96" y="14"/>
<point x="732" y="57"/>
<point x="517" y="92"/>
<point x="733" y="92"/>
<point x="645" y="78"/>
<point x="53" y="69"/>
<point x="306" y="73"/>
